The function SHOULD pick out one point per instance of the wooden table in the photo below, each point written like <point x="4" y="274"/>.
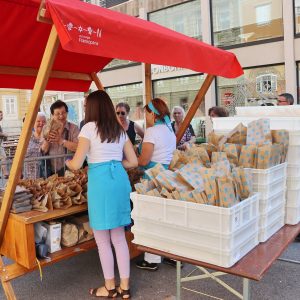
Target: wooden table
<point x="18" y="244"/>
<point x="253" y="266"/>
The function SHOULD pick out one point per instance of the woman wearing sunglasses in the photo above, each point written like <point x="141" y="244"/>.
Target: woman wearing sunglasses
<point x="131" y="128"/>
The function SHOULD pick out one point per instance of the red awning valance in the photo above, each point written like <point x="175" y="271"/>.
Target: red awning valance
<point x="90" y="38"/>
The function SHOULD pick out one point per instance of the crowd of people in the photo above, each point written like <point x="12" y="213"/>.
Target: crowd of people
<point x="106" y="138"/>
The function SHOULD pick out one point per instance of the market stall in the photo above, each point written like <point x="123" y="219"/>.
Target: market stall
<point x="64" y="50"/>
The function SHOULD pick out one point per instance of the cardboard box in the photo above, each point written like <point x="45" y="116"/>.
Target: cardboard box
<point x="53" y="236"/>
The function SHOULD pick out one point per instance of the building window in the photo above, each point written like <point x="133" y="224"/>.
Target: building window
<point x="263" y="14"/>
<point x="237" y="22"/>
<point x="118" y="63"/>
<point x="10" y="108"/>
<point x="184" y="18"/>
<point x="131" y="94"/>
<point x="266" y="83"/>
<point x="297" y="16"/>
<point x="256" y="87"/>
<point x="181" y="91"/>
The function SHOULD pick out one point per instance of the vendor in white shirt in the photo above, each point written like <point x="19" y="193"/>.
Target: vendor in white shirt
<point x="158" y="146"/>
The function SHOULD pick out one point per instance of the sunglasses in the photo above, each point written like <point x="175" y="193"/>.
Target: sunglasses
<point x="123" y="113"/>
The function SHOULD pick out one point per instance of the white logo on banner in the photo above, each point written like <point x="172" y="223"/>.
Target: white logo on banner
<point x="87" y="38"/>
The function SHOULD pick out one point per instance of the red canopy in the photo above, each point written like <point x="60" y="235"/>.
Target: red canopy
<point x="90" y="38"/>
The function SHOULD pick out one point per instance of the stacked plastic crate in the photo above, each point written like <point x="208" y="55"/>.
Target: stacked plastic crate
<point x="271" y="186"/>
<point x="224" y="125"/>
<point x="216" y="235"/>
<point x="293" y="179"/>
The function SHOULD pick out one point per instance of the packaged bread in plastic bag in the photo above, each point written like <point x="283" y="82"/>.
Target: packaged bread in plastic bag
<point x="200" y="196"/>
<point x="179" y="160"/>
<point x="209" y="148"/>
<point x="268" y="156"/>
<point x="191" y="174"/>
<point x="227" y="196"/>
<point x="214" y="138"/>
<point x="233" y="152"/>
<point x="210" y="185"/>
<point x="218" y="156"/>
<point x="258" y="132"/>
<point x="248" y="156"/>
<point x="243" y="180"/>
<point x="172" y="181"/>
<point x="222" y="168"/>
<point x="281" y="137"/>
<point x="198" y="155"/>
<point x="52" y="125"/>
<point x="187" y="196"/>
<point x="238" y="135"/>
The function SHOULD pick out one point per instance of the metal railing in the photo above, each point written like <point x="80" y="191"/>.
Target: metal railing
<point x="35" y="167"/>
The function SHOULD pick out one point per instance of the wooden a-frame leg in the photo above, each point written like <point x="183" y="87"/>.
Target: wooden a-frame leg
<point x="7" y="287"/>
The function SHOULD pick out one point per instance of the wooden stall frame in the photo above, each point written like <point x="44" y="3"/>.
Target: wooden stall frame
<point x="42" y="76"/>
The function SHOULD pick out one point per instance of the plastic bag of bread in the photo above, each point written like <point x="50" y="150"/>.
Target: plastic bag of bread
<point x="268" y="156"/>
<point x="238" y="135"/>
<point x="281" y="137"/>
<point x="52" y="125"/>
<point x="248" y="156"/>
<point x="259" y="132"/>
<point x="69" y="235"/>
<point x="227" y="194"/>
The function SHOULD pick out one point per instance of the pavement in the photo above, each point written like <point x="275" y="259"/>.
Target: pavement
<point x="72" y="278"/>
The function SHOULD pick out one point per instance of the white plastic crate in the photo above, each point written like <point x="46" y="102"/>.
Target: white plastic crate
<point x="294" y="138"/>
<point x="197" y="250"/>
<point x="272" y="228"/>
<point x="287" y="110"/>
<point x="265" y="205"/>
<point x="268" y="176"/>
<point x="267" y="218"/>
<point x="293" y="198"/>
<point x="228" y="123"/>
<point x="293" y="155"/>
<point x="268" y="190"/>
<point x="293" y="170"/>
<point x="293" y="183"/>
<point x="209" y="239"/>
<point x="194" y="215"/>
<point x="292" y="215"/>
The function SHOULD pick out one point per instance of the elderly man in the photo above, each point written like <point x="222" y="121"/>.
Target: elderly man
<point x="285" y="99"/>
<point x="62" y="142"/>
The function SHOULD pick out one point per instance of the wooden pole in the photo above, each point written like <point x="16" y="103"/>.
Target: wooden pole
<point x="21" y="71"/>
<point x="97" y="81"/>
<point x="37" y="94"/>
<point x="148" y="85"/>
<point x="196" y="103"/>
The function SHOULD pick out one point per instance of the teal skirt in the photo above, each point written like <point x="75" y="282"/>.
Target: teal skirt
<point x="108" y="195"/>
